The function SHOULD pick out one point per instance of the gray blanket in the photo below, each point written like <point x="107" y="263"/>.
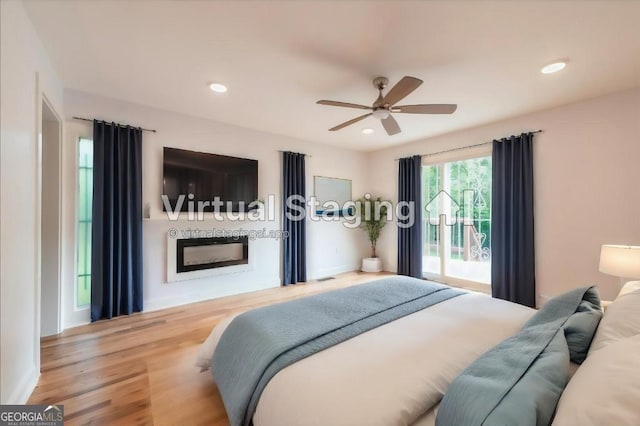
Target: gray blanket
<point x="261" y="342"/>
<point x="520" y="381"/>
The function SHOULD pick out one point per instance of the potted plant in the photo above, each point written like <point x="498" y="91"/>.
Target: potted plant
<point x="373" y="217"/>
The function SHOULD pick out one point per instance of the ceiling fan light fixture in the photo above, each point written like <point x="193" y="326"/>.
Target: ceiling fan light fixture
<point x="553" y="67"/>
<point x="218" y="87"/>
<point x="384" y="106"/>
<point x="381" y="113"/>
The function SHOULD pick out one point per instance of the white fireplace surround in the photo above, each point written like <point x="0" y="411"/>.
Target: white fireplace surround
<point x="174" y="276"/>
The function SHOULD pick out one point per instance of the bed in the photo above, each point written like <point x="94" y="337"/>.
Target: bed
<point x="396" y="373"/>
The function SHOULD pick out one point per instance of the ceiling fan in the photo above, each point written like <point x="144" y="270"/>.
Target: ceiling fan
<point x="384" y="106"/>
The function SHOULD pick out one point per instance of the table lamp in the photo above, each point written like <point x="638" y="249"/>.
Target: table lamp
<point x="620" y="261"/>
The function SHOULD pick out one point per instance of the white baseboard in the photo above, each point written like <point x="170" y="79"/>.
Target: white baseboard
<point x="170" y="302"/>
<point x="77" y="323"/>
<point x="327" y="272"/>
<point x="24" y="389"/>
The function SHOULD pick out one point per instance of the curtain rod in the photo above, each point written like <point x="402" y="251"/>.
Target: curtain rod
<point x="306" y="155"/>
<point x="467" y="147"/>
<point x="123" y="125"/>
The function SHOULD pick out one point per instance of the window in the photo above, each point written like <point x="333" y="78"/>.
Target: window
<point x="85" y="202"/>
<point x="457" y="220"/>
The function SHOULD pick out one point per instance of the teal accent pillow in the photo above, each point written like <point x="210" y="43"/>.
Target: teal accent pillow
<point x="581" y="327"/>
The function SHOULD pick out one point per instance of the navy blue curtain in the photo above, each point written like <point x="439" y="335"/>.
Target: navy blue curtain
<point x="410" y="237"/>
<point x="116" y="246"/>
<point x="512" y="237"/>
<point x="294" y="252"/>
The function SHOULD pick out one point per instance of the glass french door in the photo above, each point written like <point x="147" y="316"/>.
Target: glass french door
<point x="456" y="218"/>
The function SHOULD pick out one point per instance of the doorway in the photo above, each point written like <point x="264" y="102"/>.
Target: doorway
<point x="50" y="222"/>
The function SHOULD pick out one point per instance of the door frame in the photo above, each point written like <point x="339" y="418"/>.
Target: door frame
<point x="43" y="99"/>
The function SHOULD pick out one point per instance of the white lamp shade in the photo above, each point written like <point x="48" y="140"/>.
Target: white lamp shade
<point x="620" y="261"/>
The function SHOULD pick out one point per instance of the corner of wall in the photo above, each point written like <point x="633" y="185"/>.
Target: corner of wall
<point x="26" y="73"/>
<point x="21" y="393"/>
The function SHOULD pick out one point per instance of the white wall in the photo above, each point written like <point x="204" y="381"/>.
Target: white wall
<point x="586" y="185"/>
<point x="331" y="247"/>
<point x="50" y="219"/>
<point x="22" y="56"/>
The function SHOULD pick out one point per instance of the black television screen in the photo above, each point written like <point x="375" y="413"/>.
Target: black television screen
<point x="206" y="176"/>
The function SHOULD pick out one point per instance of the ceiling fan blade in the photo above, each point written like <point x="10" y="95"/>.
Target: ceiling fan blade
<point x="348" y="123"/>
<point x="426" y="109"/>
<point x="343" y="104"/>
<point x="390" y="125"/>
<point x="401" y="90"/>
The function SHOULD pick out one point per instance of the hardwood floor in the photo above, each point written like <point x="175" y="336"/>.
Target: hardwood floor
<point x="140" y="369"/>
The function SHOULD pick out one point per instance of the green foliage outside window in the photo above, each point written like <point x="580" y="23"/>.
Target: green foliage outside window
<point x="83" y="238"/>
<point x="474" y="176"/>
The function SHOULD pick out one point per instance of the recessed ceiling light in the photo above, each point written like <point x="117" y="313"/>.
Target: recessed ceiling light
<point x="218" y="88"/>
<point x="367" y="131"/>
<point x="554" y="67"/>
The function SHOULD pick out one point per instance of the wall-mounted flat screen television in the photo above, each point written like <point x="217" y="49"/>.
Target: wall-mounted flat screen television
<point x="206" y="176"/>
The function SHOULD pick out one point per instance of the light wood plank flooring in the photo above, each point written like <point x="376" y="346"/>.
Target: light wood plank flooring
<point x="140" y="369"/>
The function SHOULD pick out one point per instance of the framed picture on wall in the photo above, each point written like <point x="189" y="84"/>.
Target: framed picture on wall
<point x="331" y="195"/>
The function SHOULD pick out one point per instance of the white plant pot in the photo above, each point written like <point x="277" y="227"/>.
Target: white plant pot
<point x="371" y="264"/>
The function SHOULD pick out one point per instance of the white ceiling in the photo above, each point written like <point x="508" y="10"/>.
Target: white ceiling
<point x="278" y="58"/>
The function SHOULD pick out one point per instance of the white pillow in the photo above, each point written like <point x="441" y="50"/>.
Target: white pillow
<point x="621" y="319"/>
<point x="629" y="287"/>
<point x="606" y="388"/>
<point x="208" y="347"/>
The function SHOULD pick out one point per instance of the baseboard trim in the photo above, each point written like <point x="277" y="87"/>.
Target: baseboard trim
<point x="23" y="391"/>
<point x="336" y="270"/>
<point x="170" y="302"/>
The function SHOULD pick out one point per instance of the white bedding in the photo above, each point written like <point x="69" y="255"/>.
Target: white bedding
<point x="428" y="418"/>
<point x="394" y="374"/>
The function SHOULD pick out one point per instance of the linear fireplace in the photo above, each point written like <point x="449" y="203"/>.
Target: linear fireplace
<point x="194" y="254"/>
